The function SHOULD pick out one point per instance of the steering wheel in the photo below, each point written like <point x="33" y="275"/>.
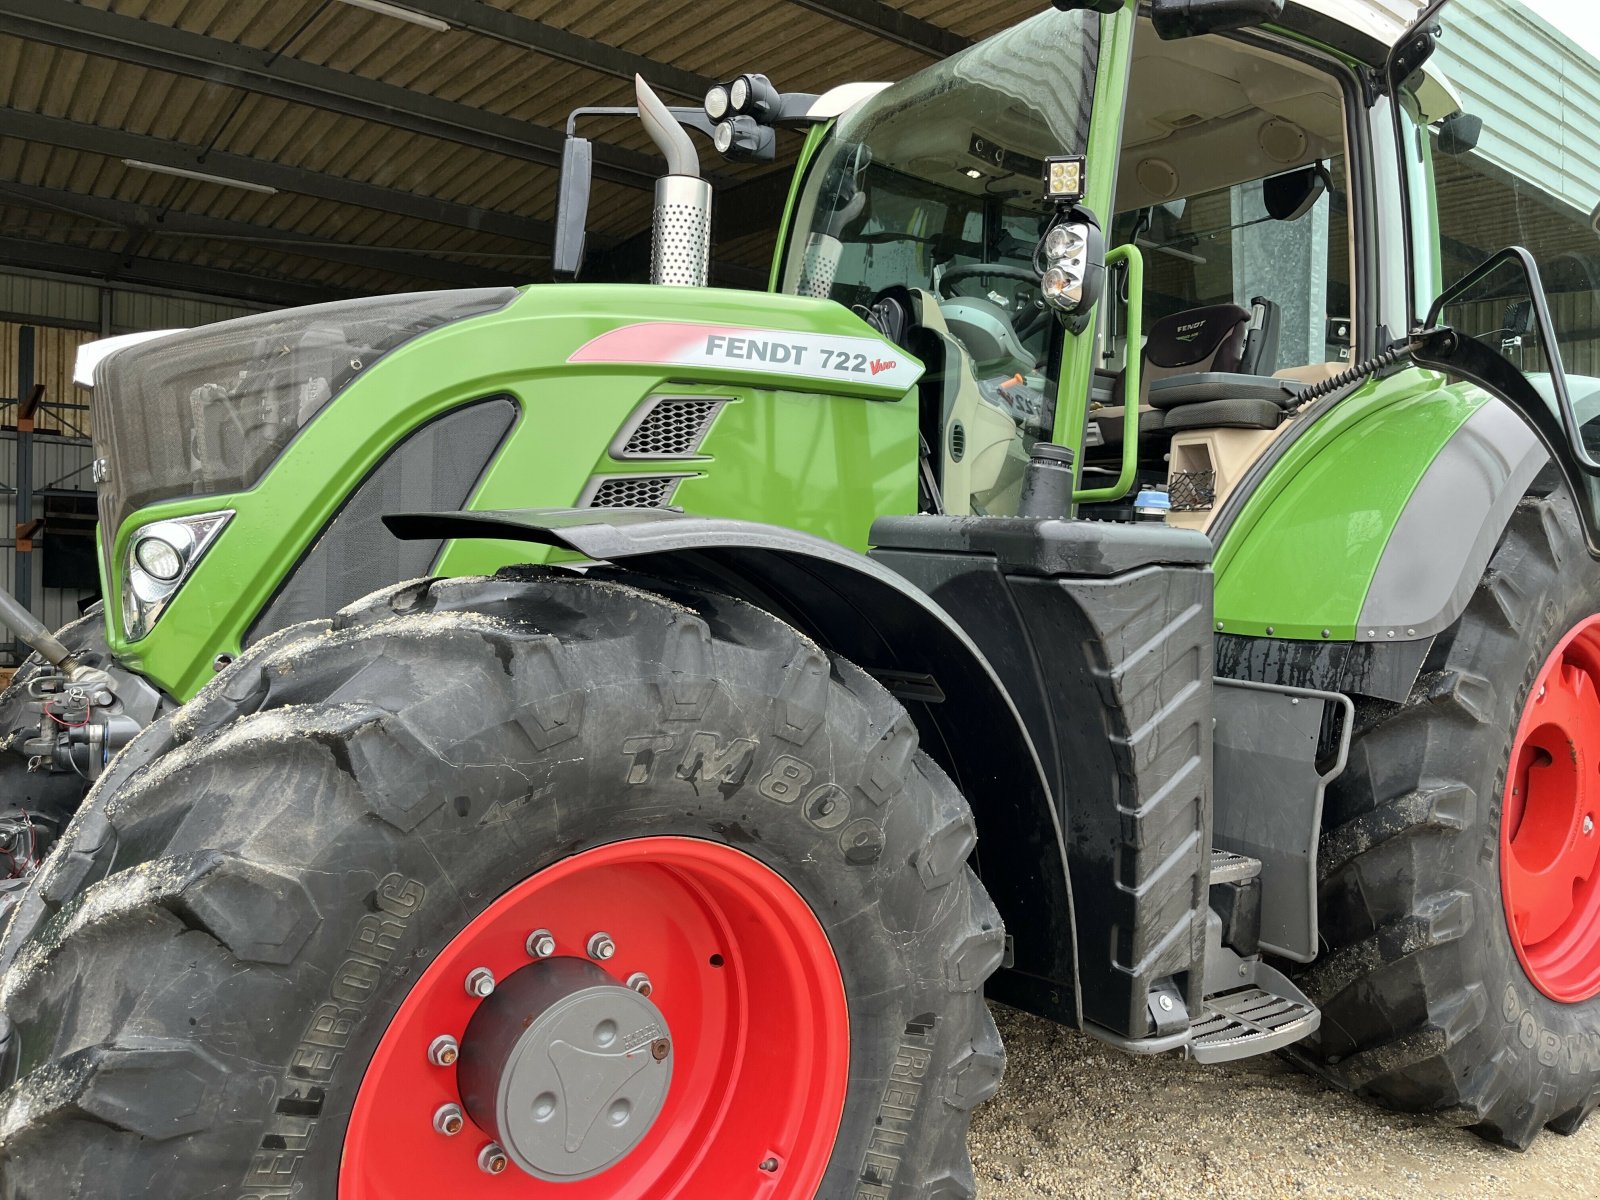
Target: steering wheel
<point x="955" y="275"/>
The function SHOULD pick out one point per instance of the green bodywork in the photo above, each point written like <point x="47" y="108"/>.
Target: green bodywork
<point x="826" y="458"/>
<point x="1299" y="559"/>
<point x="782" y="452"/>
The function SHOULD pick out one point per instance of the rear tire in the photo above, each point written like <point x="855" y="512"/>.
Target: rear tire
<point x="264" y="878"/>
<point x="1426" y="1006"/>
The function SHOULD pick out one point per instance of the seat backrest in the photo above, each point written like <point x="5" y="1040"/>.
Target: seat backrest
<point x="1194" y="341"/>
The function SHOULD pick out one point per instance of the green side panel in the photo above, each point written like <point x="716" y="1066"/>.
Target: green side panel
<point x="1299" y="559"/>
<point x="822" y="456"/>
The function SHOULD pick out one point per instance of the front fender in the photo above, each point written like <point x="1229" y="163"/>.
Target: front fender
<point x="863" y="611"/>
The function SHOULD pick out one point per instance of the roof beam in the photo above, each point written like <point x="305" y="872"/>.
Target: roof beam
<point x="115" y="143"/>
<point x="488" y="21"/>
<point x="75" y="26"/>
<point x="881" y="20"/>
<point x="159" y="223"/>
<point x="211" y="281"/>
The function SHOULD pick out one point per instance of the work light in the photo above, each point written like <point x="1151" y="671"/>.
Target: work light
<point x="717" y="102"/>
<point x="741" y="138"/>
<point x="754" y="96"/>
<point x="158" y="559"/>
<point x="1063" y="178"/>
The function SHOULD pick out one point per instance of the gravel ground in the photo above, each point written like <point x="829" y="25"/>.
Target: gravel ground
<point x="1077" y="1120"/>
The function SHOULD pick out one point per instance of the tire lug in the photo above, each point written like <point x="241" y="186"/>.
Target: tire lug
<point x="541" y="943"/>
<point x="601" y="947"/>
<point x="480" y="983"/>
<point x="443" y="1051"/>
<point x="492" y="1160"/>
<point x="448" y="1120"/>
<point x="640" y="982"/>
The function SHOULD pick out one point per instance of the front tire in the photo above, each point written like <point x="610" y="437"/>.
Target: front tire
<point x="1431" y="1001"/>
<point x="274" y="892"/>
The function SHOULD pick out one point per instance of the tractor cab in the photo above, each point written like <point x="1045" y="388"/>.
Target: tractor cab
<point x="1245" y="210"/>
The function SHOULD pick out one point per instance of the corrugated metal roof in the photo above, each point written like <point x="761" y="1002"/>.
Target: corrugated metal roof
<point x="90" y="72"/>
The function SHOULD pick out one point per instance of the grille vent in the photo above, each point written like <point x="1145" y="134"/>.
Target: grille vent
<point x="632" y="491"/>
<point x="670" y="427"/>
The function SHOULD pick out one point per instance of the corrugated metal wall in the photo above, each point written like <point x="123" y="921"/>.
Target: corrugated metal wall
<point x="59" y="464"/>
<point x="1537" y="92"/>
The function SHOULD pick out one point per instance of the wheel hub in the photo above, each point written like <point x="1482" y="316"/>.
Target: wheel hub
<point x="567" y="1068"/>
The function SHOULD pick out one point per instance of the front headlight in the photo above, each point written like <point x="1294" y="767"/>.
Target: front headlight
<point x="159" y="558"/>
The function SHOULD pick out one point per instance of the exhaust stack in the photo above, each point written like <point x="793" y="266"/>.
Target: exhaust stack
<point x="680" y="245"/>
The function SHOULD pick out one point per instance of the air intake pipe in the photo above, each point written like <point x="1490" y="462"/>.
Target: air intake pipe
<point x="680" y="245"/>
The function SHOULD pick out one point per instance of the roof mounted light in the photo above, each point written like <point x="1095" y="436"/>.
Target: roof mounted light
<point x="717" y="102"/>
<point x="754" y="96"/>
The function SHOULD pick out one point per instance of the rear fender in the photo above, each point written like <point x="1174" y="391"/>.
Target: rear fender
<point x="861" y="610"/>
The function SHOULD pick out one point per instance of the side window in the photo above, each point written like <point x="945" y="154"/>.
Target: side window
<point x="1482" y="209"/>
<point x="1231" y="246"/>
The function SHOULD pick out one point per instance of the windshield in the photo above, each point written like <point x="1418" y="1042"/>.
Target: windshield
<point x="936" y="184"/>
<point x="945" y="169"/>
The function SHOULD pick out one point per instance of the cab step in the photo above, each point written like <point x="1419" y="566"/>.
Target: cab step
<point x="1228" y="867"/>
<point x="1252" y="1020"/>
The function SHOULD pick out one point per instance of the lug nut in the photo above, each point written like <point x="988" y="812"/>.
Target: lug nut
<point x="492" y="1160"/>
<point x="443" y="1051"/>
<point x="447" y="1119"/>
<point x="480" y="982"/>
<point x="541" y="944"/>
<point x="660" y="1048"/>
<point x="1588" y="825"/>
<point x="601" y="947"/>
<point x="640" y="982"/>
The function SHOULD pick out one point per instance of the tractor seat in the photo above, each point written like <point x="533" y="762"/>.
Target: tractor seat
<point x="1201" y="370"/>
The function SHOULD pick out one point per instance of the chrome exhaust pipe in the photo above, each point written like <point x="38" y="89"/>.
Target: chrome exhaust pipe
<point x="680" y="243"/>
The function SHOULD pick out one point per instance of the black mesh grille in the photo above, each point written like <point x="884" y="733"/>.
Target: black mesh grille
<point x="634" y="491"/>
<point x="672" y="429"/>
<point x="435" y="468"/>
<point x="1192" y="491"/>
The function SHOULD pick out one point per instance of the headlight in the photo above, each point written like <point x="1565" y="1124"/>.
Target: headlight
<point x="1066" y="250"/>
<point x="160" y="557"/>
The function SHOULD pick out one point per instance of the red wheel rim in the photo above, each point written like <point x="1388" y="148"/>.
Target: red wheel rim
<point x="1550" y="823"/>
<point x="745" y="979"/>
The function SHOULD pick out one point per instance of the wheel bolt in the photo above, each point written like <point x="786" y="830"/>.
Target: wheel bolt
<point x="640" y="982"/>
<point x="480" y="982"/>
<point x="443" y="1051"/>
<point x="447" y="1119"/>
<point x="541" y="944"/>
<point x="601" y="947"/>
<point x="492" y="1160"/>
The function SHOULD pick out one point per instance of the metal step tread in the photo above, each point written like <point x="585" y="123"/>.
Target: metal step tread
<point x="1228" y="867"/>
<point x="1250" y="1020"/>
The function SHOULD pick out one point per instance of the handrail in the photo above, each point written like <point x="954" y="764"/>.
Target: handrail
<point x="1131" y="373"/>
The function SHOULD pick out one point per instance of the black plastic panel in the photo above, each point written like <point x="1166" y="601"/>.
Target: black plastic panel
<point x="438" y="465"/>
<point x="1102" y="634"/>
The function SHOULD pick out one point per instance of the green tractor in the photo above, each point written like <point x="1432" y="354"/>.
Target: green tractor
<point x="606" y="741"/>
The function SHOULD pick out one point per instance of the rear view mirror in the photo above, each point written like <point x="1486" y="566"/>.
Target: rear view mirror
<point x="572" y="211"/>
<point x="1189" y="18"/>
<point x="1290" y="196"/>
<point x="1459" y="133"/>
